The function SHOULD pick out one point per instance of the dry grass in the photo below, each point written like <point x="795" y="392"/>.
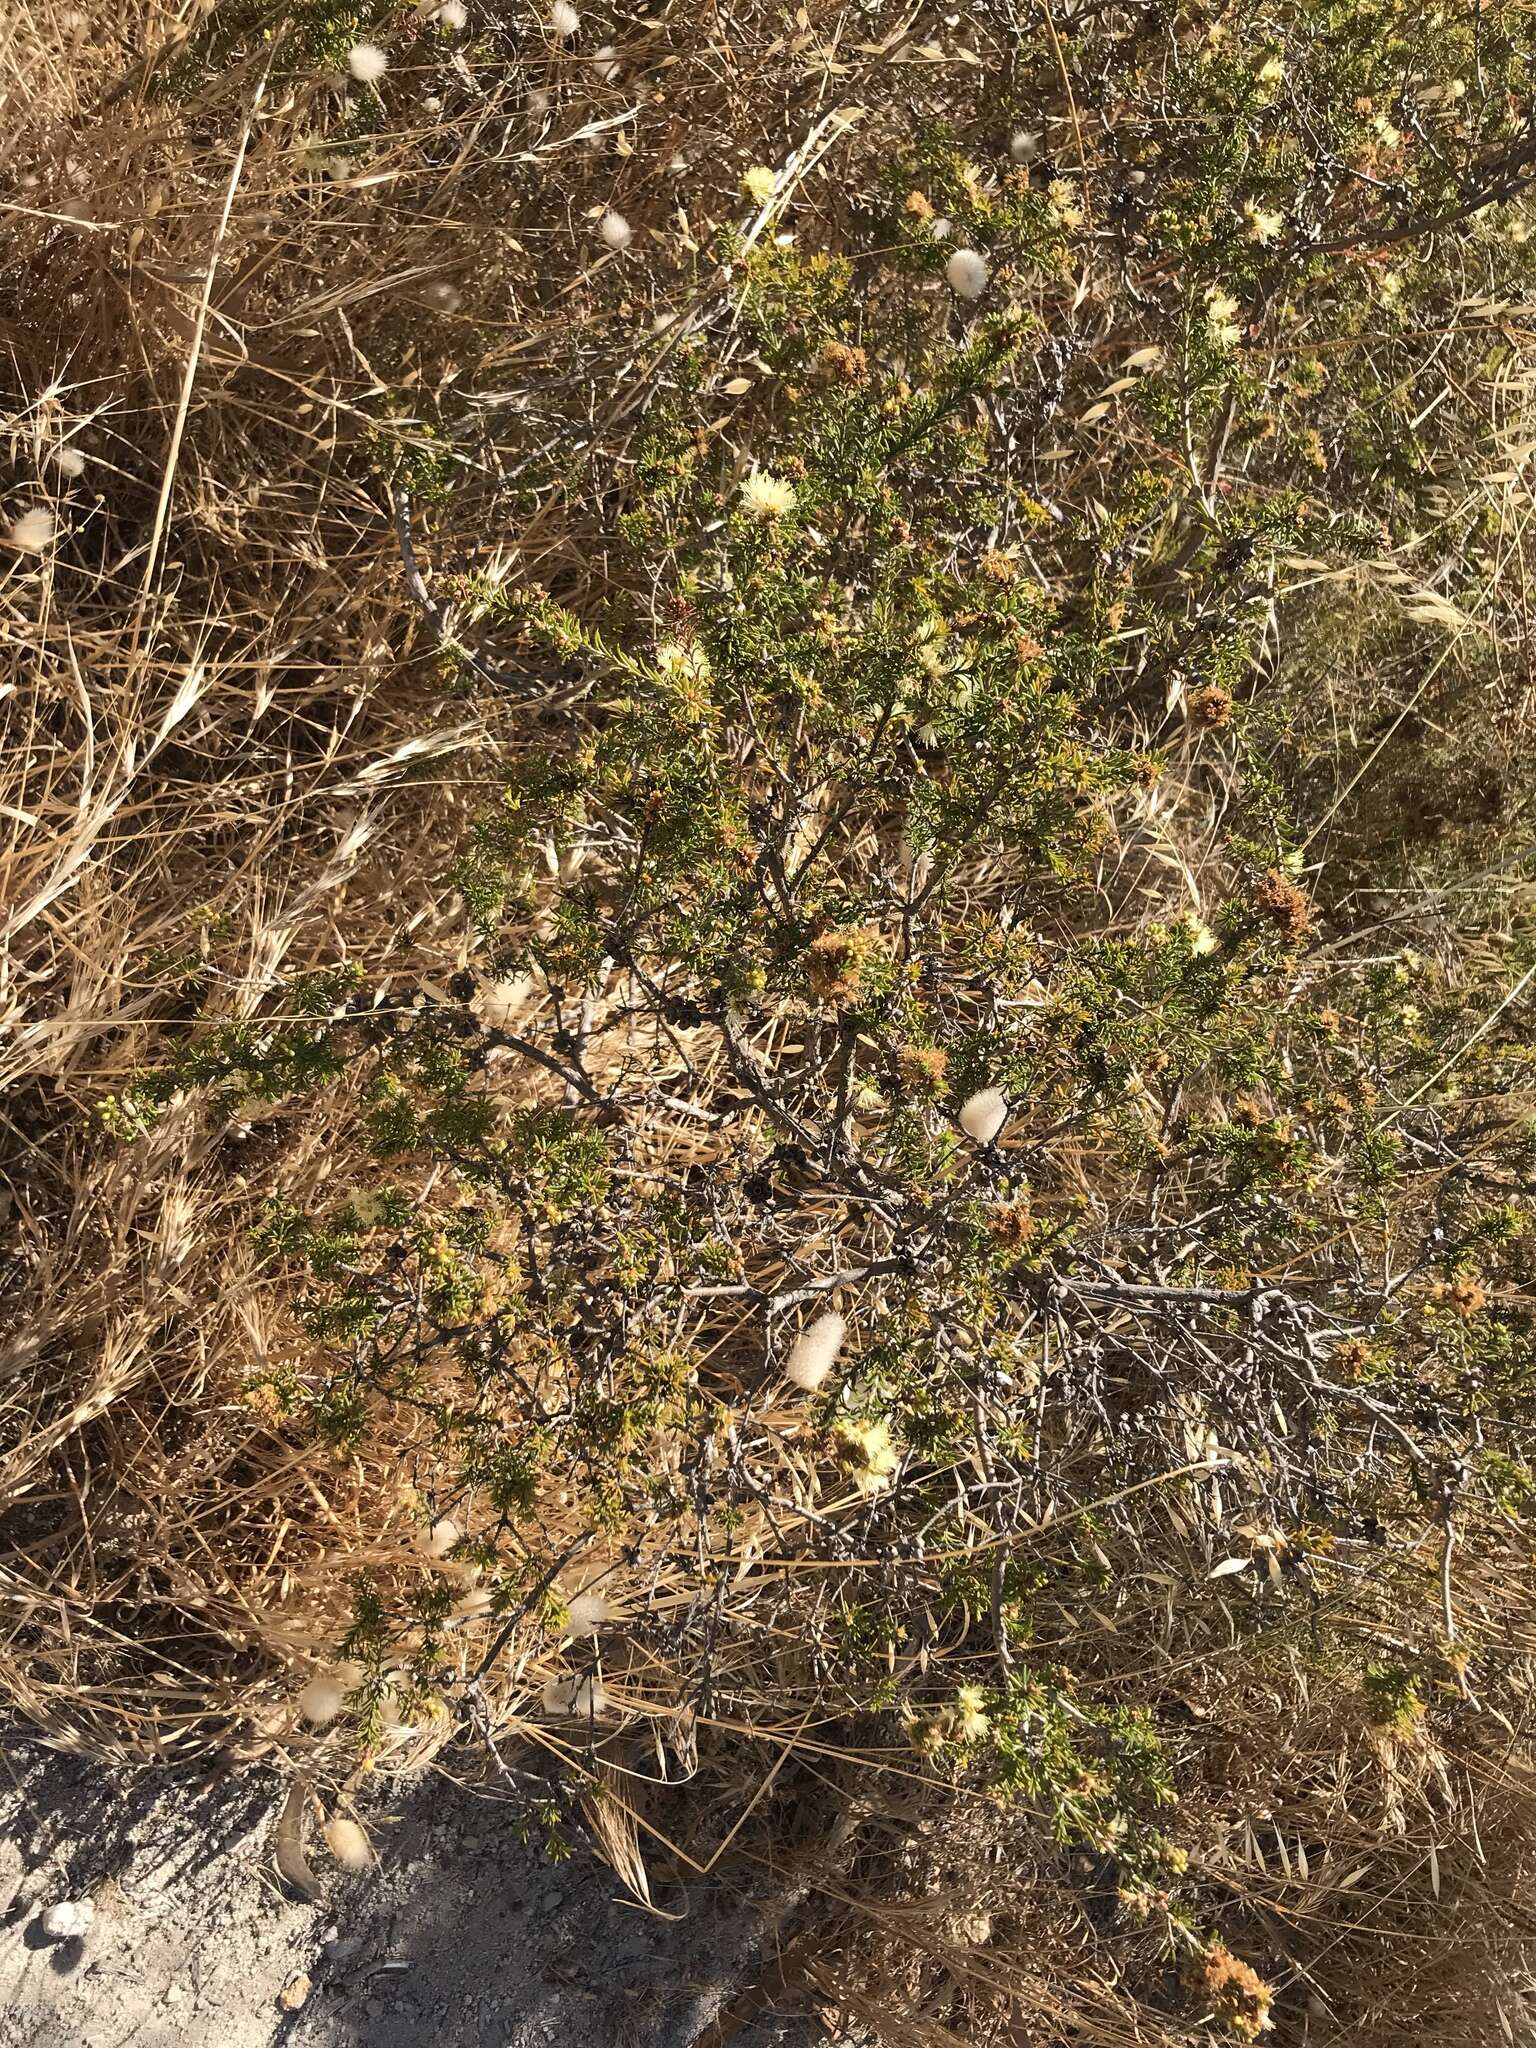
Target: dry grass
<point x="232" y="755"/>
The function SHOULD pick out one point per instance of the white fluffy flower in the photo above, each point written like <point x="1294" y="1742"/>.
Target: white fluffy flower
<point x="575" y="1697"/>
<point x="605" y="62"/>
<point x="32" y="531"/>
<point x="441" y="1537"/>
<point x="563" y="18"/>
<point x="587" y="1613"/>
<point x="983" y="1114"/>
<point x="348" y="1843"/>
<point x="69" y="460"/>
<point x="499" y="1004"/>
<point x="814" y="1352"/>
<point x="323" y="1698"/>
<point x="367" y="63"/>
<point x="452" y="15"/>
<point x="1024" y="145"/>
<point x="615" y="230"/>
<point x="766" y="496"/>
<point x="967" y="272"/>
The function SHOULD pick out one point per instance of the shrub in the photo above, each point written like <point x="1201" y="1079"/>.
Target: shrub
<point x="930" y="910"/>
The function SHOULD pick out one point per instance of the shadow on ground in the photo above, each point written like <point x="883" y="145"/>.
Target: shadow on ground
<point x="462" y="1937"/>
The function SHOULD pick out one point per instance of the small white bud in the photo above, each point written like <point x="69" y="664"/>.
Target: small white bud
<point x="323" y="1699"/>
<point x="983" y="1115"/>
<point x="452" y="15"/>
<point x="348" y="1843"/>
<point x="588" y="1611"/>
<point x="575" y="1697"/>
<point x="1024" y="145"/>
<point x="814" y="1352"/>
<point x="367" y="63"/>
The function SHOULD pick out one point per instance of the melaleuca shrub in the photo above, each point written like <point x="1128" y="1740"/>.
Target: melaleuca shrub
<point x="912" y="1137"/>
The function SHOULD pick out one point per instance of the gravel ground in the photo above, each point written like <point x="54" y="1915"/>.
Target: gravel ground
<point x="462" y="1938"/>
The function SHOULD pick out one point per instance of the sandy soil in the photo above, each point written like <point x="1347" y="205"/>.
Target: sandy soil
<point x="462" y="1938"/>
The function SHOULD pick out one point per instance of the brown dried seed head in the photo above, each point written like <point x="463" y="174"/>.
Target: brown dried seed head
<point x="1211" y="708"/>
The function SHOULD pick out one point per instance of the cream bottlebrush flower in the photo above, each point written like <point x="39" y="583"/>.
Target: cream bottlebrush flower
<point x="31" y="531"/>
<point x="759" y="183"/>
<point x="766" y="496"/>
<point x="1066" y="202"/>
<point x="865" y="1452"/>
<point x="563" y="19"/>
<point x="683" y="664"/>
<point x="575" y="1696"/>
<point x="587" y="1613"/>
<point x="967" y="272"/>
<point x="1264" y="225"/>
<point x="1220" y="318"/>
<point x="983" y="1115"/>
<point x="1272" y="70"/>
<point x="814" y="1352"/>
<point x="367" y="63"/>
<point x="615" y="230"/>
<point x="1203" y="942"/>
<point x="970" y="1714"/>
<point x="348" y="1843"/>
